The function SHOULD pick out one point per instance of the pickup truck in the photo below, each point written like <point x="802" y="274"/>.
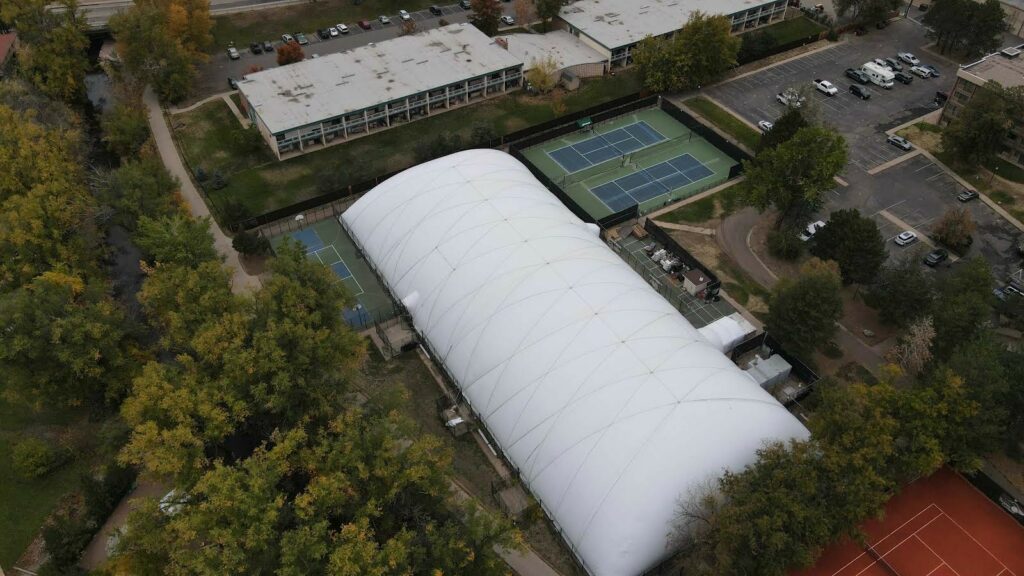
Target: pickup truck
<point x="825" y="87"/>
<point x="790" y="98"/>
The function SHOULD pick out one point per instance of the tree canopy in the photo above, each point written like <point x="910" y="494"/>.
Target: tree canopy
<point x="901" y="293"/>
<point x="54" y="51"/>
<point x="793" y="176"/>
<point x="965" y="26"/>
<point x="486" y="15"/>
<point x="791" y="122"/>
<point x="803" y="311"/>
<point x="854" y="242"/>
<point x="976" y="135"/>
<point x="695" y="56"/>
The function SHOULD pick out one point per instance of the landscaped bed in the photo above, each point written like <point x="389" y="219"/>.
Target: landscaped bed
<point x="211" y="138"/>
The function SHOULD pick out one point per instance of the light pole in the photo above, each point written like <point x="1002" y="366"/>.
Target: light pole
<point x="909" y="4"/>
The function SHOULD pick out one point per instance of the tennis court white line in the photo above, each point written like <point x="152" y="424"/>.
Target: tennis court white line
<point x="932" y="550"/>
<point x="897" y="529"/>
<point x="900" y="543"/>
<point x="971" y="536"/>
<point x="937" y="567"/>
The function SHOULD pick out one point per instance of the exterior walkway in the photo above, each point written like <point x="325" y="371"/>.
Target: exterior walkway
<point x="241" y="280"/>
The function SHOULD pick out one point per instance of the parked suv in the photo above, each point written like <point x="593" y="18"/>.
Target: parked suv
<point x="936" y="257"/>
<point x="903" y="77"/>
<point x="860" y="91"/>
<point x="854" y="74"/>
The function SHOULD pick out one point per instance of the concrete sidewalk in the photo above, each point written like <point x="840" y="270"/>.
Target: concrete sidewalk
<point x="241" y="280"/>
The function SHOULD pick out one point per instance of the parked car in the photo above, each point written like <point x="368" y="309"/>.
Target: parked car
<point x="921" y="71"/>
<point x="825" y="87"/>
<point x="232" y="83"/>
<point x="365" y="25"/>
<point x="967" y="195"/>
<point x="334" y="32"/>
<point x="860" y="91"/>
<point x="384" y="19"/>
<point x="903" y="77"/>
<point x="893" y="64"/>
<point x="342" y="28"/>
<point x="934" y="71"/>
<point x="508" y="20"/>
<point x="899" y="142"/>
<point x="404" y="15"/>
<point x="301" y="39"/>
<point x="811" y="230"/>
<point x="936" y="257"/>
<point x="855" y="74"/>
<point x="765" y="125"/>
<point x="790" y="98"/>
<point x="941" y="97"/>
<point x="909" y="58"/>
<point x="268" y="47"/>
<point x="905" y="238"/>
<point x="323" y="34"/>
<point x="435" y="10"/>
<point x="882" y="63"/>
<point x="233" y="53"/>
<point x="464" y="4"/>
<point x="286" y="38"/>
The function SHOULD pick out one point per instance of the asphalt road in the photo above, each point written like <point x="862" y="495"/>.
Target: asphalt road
<point x="914" y="193"/>
<point x="213" y="76"/>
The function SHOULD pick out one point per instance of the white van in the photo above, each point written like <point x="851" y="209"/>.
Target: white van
<point x="878" y="75"/>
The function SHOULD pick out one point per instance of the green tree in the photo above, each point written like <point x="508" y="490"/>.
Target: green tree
<point x="955" y="230"/>
<point x="753" y="45"/>
<point x="143" y="187"/>
<point x="695" y="56"/>
<point x="867" y="11"/>
<point x="981" y="363"/>
<point x="547" y="10"/>
<point x="180" y="300"/>
<point x="935" y="419"/>
<point x="965" y="26"/>
<point x="962" y="307"/>
<point x="150" y="52"/>
<point x="901" y="293"/>
<point x="794" y="176"/>
<point x="803" y="311"/>
<point x="976" y="135"/>
<point x="125" y="128"/>
<point x="54" y="53"/>
<point x="63" y="342"/>
<point x="787" y="126"/>
<point x="854" y="242"/>
<point x="176" y="239"/>
<point x="486" y="15"/>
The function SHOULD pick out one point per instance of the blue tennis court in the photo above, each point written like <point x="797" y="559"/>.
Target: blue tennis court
<point x="310" y="238"/>
<point x="328" y="255"/>
<point x="651" y="182"/>
<point x="604" y="147"/>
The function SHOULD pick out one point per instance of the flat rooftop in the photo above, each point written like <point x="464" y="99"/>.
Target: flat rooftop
<point x="615" y="23"/>
<point x="564" y="48"/>
<point x="1009" y="72"/>
<point x="316" y="89"/>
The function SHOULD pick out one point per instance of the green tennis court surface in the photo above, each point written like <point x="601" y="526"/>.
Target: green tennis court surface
<point x="327" y="243"/>
<point x="644" y="158"/>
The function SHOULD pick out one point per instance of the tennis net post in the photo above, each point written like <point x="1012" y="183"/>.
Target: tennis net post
<point x="881" y="561"/>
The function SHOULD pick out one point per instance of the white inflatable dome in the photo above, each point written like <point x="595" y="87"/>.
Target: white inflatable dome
<point x="611" y="405"/>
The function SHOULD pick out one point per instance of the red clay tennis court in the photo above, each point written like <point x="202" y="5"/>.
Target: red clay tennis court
<point x="937" y="526"/>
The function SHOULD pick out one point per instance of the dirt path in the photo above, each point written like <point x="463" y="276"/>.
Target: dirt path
<point x="96" y="553"/>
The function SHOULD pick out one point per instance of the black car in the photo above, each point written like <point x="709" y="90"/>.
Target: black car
<point x="436" y="10"/>
<point x="255" y="48"/>
<point x="854" y="74"/>
<point x="323" y="33"/>
<point x="860" y="92"/>
<point x="903" y="77"/>
<point x="936" y="257"/>
<point x="267" y="46"/>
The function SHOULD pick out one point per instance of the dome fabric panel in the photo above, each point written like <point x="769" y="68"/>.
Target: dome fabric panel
<point x="610" y="404"/>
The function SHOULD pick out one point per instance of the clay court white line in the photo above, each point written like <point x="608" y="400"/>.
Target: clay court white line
<point x="994" y="557"/>
<point x="930" y="549"/>
<point x="901" y="542"/>
<point x="898" y="528"/>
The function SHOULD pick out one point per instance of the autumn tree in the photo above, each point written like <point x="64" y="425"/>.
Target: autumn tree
<point x="407" y="27"/>
<point x="525" y="11"/>
<point x="486" y="15"/>
<point x="955" y="229"/>
<point x="803" y="311"/>
<point x="180" y="300"/>
<point x="543" y="74"/>
<point x="290" y="53"/>
<point x="854" y="242"/>
<point x="151" y="53"/>
<point x="695" y="56"/>
<point x="125" y="128"/>
<point x="914" y="349"/>
<point x="547" y="10"/>
<point x="54" y="45"/>
<point x="794" y="176"/>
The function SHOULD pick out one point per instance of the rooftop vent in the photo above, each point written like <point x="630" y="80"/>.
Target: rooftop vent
<point x="1010" y="52"/>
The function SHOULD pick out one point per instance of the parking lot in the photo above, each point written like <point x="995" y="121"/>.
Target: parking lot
<point x="862" y="122"/>
<point x="213" y="76"/>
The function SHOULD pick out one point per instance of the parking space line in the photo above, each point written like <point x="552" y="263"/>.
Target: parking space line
<point x="894" y="162"/>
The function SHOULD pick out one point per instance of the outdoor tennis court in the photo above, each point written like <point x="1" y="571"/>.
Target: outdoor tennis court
<point x="938" y="526"/>
<point x="649" y="183"/>
<point x="327" y="243"/>
<point x="604" y="147"/>
<point x="644" y="158"/>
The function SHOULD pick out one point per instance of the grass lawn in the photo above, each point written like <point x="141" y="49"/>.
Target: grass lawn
<point x="210" y="136"/>
<point x="1006" y="170"/>
<point x="25" y="504"/>
<point x="699" y="211"/>
<point x="791" y="30"/>
<point x="725" y="121"/>
<point x="245" y="27"/>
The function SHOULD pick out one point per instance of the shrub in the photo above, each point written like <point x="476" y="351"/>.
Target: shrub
<point x="784" y="244"/>
<point x="250" y="244"/>
<point x="954" y="230"/>
<point x="33" y="458"/>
